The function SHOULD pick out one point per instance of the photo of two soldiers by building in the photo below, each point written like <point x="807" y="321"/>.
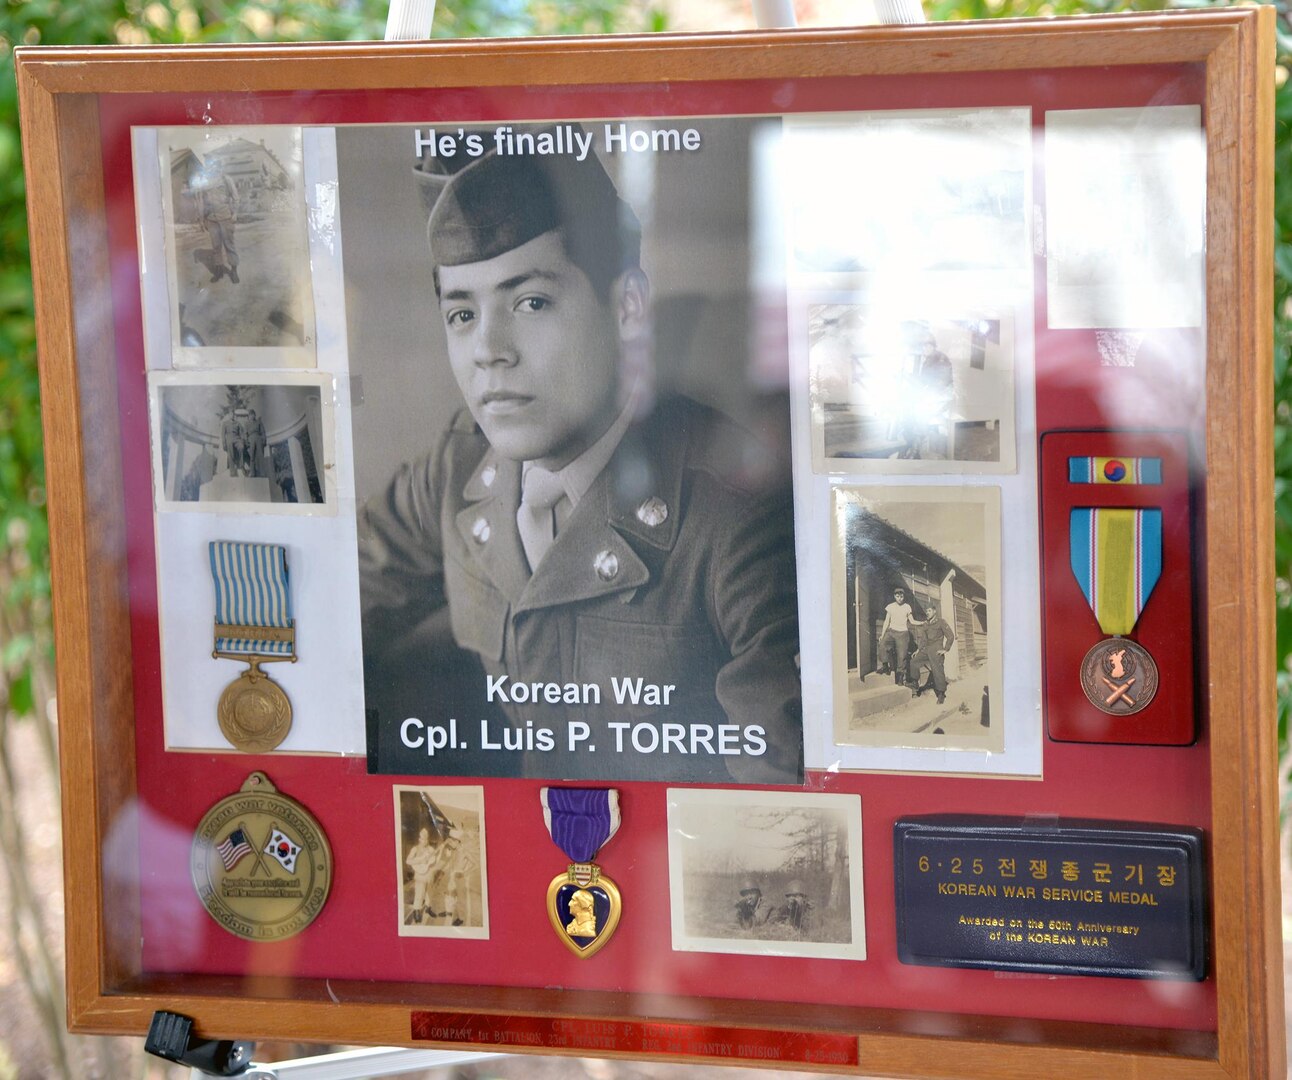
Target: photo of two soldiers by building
<point x="917" y="617"/>
<point x="590" y="571"/>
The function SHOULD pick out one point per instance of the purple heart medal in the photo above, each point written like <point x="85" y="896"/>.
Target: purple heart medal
<point x="582" y="903"/>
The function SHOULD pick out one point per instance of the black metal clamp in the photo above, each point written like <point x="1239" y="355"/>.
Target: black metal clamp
<point x="170" y="1036"/>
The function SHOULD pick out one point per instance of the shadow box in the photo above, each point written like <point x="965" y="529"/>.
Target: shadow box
<point x="744" y="548"/>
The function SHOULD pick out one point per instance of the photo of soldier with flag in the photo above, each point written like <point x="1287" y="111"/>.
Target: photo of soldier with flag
<point x="440" y="859"/>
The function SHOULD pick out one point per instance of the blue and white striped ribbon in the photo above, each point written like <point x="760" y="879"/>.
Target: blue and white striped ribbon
<point x="251" y="591"/>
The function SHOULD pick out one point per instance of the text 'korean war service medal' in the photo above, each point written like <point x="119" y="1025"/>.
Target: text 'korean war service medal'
<point x="1117" y="559"/>
<point x="253" y="622"/>
<point x="582" y="904"/>
<point x="261" y="863"/>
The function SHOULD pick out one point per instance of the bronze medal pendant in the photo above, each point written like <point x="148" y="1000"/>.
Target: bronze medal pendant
<point x="1119" y="676"/>
<point x="1117" y="560"/>
<point x="583" y="906"/>
<point x="255" y="715"/>
<point x="253" y="623"/>
<point x="261" y="863"/>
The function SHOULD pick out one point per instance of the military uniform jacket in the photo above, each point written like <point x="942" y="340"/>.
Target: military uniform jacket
<point x="675" y="569"/>
<point x="934" y="635"/>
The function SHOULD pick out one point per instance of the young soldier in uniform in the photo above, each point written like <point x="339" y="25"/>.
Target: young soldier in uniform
<point x="572" y="530"/>
<point x="933" y="638"/>
<point x="421" y="860"/>
<point x="217" y="207"/>
<point x="749" y="908"/>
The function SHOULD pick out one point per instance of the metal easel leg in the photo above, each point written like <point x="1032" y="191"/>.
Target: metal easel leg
<point x="355" y="1064"/>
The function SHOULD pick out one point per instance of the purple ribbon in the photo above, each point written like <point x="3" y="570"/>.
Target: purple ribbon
<point x="581" y="820"/>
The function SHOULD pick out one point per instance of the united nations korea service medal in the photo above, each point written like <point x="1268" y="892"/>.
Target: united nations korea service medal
<point x="261" y="863"/>
<point x="253" y="623"/>
<point x="583" y="904"/>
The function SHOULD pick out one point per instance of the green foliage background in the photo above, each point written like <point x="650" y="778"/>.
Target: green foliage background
<point x="26" y="651"/>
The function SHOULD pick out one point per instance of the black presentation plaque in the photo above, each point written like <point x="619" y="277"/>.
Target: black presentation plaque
<point x="1060" y="897"/>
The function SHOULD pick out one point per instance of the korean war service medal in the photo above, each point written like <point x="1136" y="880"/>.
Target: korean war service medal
<point x="1117" y="559"/>
<point x="582" y="903"/>
<point x="261" y="863"/>
<point x="253" y="622"/>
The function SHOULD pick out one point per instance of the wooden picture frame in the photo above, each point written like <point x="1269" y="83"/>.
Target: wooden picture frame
<point x="79" y="288"/>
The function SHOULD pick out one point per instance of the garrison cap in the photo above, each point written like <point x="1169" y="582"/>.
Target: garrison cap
<point x="500" y="202"/>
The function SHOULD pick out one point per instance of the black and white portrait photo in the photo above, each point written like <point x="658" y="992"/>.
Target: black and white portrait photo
<point x="766" y="873"/>
<point x="237" y="246"/>
<point x="440" y="862"/>
<point x="917" y="616"/>
<point x="250" y="447"/>
<point x="575" y="529"/>
<point x="914" y="395"/>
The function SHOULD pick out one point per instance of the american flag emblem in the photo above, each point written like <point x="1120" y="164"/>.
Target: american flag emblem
<point x="232" y="848"/>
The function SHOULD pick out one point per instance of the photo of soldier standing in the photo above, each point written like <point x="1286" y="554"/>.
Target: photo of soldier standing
<point x="932" y="638"/>
<point x="217" y="207"/>
<point x="575" y="524"/>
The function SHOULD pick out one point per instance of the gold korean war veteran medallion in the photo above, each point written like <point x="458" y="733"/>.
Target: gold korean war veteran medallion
<point x="1119" y="676"/>
<point x="261" y="863"/>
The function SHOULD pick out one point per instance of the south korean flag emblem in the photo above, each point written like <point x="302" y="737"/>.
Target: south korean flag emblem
<point x="284" y="849"/>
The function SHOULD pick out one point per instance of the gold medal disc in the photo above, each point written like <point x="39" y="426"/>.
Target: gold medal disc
<point x="1119" y="676"/>
<point x="261" y="863"/>
<point x="255" y="714"/>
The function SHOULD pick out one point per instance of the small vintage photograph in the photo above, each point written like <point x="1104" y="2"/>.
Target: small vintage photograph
<point x="916" y="617"/>
<point x="769" y="873"/>
<point x="903" y="192"/>
<point x="440" y="861"/>
<point x="910" y="395"/>
<point x="237" y="246"/>
<point x="262" y="447"/>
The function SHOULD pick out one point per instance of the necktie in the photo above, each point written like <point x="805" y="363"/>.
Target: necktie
<point x="540" y="491"/>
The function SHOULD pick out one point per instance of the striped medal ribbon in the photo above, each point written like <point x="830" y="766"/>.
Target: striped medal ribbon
<point x="1114" y="470"/>
<point x="253" y="623"/>
<point x="1117" y="559"/>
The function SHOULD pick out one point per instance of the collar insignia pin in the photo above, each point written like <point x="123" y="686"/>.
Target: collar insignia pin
<point x="653" y="512"/>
